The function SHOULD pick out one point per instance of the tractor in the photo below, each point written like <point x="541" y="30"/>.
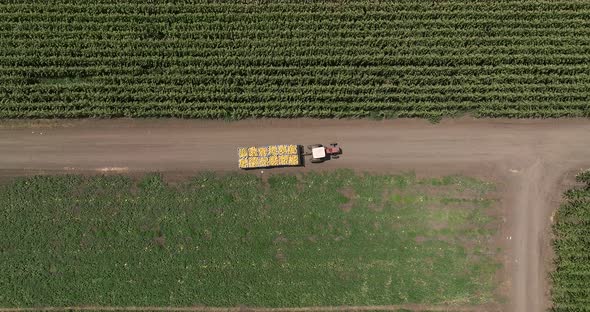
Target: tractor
<point x="320" y="153"/>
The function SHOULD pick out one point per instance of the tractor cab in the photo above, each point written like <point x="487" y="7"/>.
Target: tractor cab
<point x="320" y="153"/>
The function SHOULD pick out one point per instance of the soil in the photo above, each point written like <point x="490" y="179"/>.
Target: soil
<point x="530" y="160"/>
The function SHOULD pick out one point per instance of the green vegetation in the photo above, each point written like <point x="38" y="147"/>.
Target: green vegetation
<point x="271" y="58"/>
<point x="224" y="240"/>
<point x="570" y="290"/>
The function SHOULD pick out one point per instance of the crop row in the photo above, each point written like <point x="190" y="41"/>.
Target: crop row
<point x="327" y="51"/>
<point x="54" y="89"/>
<point x="233" y="71"/>
<point x="412" y="14"/>
<point x="466" y="82"/>
<point x="379" y="42"/>
<point x="283" y="33"/>
<point x="340" y="82"/>
<point x="341" y="107"/>
<point x="330" y="23"/>
<point x="326" y="97"/>
<point x="274" y="112"/>
<point x="431" y="59"/>
<point x="128" y="7"/>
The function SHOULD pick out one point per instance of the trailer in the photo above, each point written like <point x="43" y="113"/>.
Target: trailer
<point x="282" y="155"/>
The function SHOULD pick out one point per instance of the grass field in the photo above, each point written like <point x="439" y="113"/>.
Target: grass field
<point x="572" y="249"/>
<point x="317" y="239"/>
<point x="270" y="58"/>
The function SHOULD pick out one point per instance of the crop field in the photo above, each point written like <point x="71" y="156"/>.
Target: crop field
<point x="315" y="239"/>
<point x="572" y="247"/>
<point x="240" y="59"/>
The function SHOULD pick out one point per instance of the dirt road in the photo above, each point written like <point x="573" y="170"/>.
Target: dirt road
<point x="531" y="160"/>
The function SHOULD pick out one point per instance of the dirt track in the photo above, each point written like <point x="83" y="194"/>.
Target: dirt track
<point x="531" y="159"/>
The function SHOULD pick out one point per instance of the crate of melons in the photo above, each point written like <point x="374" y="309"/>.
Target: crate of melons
<point x="269" y="156"/>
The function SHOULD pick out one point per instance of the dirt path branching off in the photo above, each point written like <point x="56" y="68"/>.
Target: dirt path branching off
<point x="530" y="158"/>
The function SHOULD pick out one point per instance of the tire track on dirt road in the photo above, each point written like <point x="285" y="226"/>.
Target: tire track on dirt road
<point x="531" y="157"/>
<point x="530" y="207"/>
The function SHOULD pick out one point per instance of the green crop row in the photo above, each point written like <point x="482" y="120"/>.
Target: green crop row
<point x="84" y="109"/>
<point x="381" y="41"/>
<point x="342" y="89"/>
<point x="293" y="7"/>
<point x="269" y="23"/>
<point x="330" y="99"/>
<point x="313" y="16"/>
<point x="284" y="33"/>
<point x="229" y="72"/>
<point x="317" y="51"/>
<point x="431" y="59"/>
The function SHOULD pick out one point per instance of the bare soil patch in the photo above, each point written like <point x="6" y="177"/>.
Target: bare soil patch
<point x="349" y="193"/>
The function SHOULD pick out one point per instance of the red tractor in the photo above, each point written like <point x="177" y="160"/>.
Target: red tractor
<point x="320" y="153"/>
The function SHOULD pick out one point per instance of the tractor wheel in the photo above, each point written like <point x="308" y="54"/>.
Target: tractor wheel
<point x="333" y="144"/>
<point x="316" y="145"/>
<point x="316" y="160"/>
<point x="335" y="156"/>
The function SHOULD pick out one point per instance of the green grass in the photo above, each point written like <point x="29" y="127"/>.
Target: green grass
<point x="570" y="277"/>
<point x="225" y="240"/>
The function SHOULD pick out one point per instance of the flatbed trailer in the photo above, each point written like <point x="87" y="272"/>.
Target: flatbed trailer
<point x="282" y="155"/>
